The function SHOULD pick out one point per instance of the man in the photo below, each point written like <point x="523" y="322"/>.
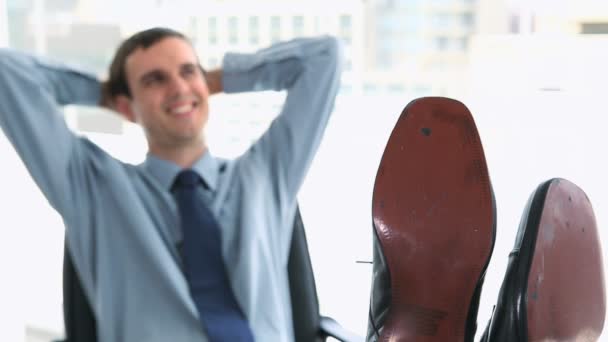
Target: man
<point x="130" y="227"/>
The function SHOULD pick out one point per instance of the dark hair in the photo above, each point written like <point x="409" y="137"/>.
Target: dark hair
<point x="117" y="79"/>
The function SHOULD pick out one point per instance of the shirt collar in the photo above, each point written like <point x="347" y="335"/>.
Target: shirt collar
<point x="165" y="171"/>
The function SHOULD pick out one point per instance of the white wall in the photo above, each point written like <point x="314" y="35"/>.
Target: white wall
<point x="12" y="314"/>
<point x="12" y="320"/>
<point x="539" y="104"/>
<point x="3" y="24"/>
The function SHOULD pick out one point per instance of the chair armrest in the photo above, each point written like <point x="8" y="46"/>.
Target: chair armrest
<point x="331" y="328"/>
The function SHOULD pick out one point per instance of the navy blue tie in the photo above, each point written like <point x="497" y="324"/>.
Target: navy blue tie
<point x="204" y="266"/>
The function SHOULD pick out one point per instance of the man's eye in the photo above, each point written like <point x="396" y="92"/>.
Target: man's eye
<point x="154" y="80"/>
<point x="189" y="72"/>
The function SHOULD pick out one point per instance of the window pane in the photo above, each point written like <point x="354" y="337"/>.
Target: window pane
<point x="298" y="26"/>
<point x="254" y="30"/>
<point x="275" y="29"/>
<point x="233" y="33"/>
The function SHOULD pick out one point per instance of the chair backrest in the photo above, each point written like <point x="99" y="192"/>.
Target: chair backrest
<point x="77" y="314"/>
<point x="80" y="322"/>
<point x="304" y="301"/>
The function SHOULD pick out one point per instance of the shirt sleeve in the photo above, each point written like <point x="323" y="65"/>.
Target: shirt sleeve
<point x="310" y="70"/>
<point x="31" y="93"/>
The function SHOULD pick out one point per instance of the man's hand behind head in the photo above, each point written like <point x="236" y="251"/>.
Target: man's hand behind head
<point x="214" y="81"/>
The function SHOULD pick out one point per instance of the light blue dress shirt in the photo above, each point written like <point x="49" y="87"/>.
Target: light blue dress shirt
<point x="122" y="221"/>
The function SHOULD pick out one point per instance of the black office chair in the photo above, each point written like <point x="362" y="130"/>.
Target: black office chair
<point x="309" y="325"/>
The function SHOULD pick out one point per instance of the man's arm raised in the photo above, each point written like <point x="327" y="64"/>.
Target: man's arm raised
<point x="31" y="92"/>
<point x="309" y="69"/>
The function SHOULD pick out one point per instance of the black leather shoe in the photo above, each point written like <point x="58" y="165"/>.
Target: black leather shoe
<point x="554" y="286"/>
<point x="434" y="226"/>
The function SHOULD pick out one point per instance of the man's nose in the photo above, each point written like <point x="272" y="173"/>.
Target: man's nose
<point x="178" y="86"/>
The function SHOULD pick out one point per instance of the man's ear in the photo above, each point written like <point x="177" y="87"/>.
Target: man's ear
<point x="122" y="104"/>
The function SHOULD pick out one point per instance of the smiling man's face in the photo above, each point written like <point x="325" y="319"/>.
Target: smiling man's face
<point x="168" y="94"/>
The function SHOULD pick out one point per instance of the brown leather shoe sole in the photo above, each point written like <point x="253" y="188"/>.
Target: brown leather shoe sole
<point x="566" y="298"/>
<point x="433" y="212"/>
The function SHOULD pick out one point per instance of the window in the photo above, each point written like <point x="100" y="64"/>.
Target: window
<point x="462" y="44"/>
<point x="467" y="20"/>
<point x="212" y="30"/>
<point x="346" y="28"/>
<point x="441" y="20"/>
<point x="192" y="29"/>
<point x="370" y="88"/>
<point x="275" y="29"/>
<point x="594" y="28"/>
<point x="298" y="26"/>
<point x="413" y="44"/>
<point x="348" y="65"/>
<point x="254" y="30"/>
<point x="345" y="22"/>
<point x="390" y="22"/>
<point x="233" y="30"/>
<point x="514" y="23"/>
<point x="396" y="88"/>
<point x="441" y="43"/>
